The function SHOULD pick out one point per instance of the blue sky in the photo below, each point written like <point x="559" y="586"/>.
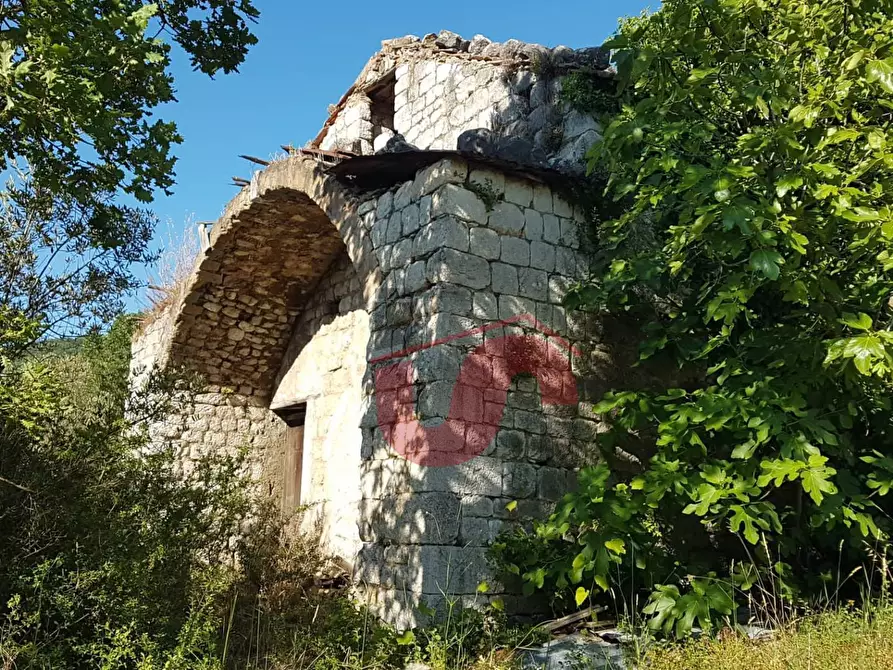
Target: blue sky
<point x="307" y="56"/>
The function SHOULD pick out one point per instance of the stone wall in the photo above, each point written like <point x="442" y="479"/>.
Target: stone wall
<point x="460" y="264"/>
<point x="351" y="130"/>
<point x="437" y="101"/>
<point x="324" y="367"/>
<point x="458" y="276"/>
<point x="442" y="85"/>
<point x="151" y="344"/>
<point x="220" y="419"/>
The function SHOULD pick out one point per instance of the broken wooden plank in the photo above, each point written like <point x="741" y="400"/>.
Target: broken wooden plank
<point x="556" y="624"/>
<point x="254" y="159"/>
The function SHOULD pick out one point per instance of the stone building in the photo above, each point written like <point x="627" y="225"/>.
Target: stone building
<point x="379" y="316"/>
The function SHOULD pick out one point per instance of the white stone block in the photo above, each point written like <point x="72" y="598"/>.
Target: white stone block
<point x="451" y="199"/>
<point x="491" y="179"/>
<point x="519" y="192"/>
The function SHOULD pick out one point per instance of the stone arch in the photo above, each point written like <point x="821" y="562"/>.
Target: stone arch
<point x="272" y="244"/>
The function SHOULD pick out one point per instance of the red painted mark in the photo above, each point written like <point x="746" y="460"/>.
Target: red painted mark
<point x="479" y="395"/>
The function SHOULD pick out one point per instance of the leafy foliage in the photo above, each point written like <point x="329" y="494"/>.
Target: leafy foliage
<point x="79" y="81"/>
<point x="752" y="154"/>
<point x="54" y="269"/>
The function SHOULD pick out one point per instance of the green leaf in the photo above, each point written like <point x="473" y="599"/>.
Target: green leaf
<point x="617" y="545"/>
<point x="838" y="135"/>
<point x="859" y="321"/>
<point x="511" y="506"/>
<point x="580" y="595"/>
<point x="787" y="183"/>
<point x="762" y="107"/>
<point x="766" y="262"/>
<point x="853" y="60"/>
<point x="815" y="479"/>
<point x="426" y="610"/>
<point x="861" y="214"/>
<point x="483" y="587"/>
<point x="881" y="71"/>
<point x="406" y="638"/>
<point x="741" y="517"/>
<point x="698" y="74"/>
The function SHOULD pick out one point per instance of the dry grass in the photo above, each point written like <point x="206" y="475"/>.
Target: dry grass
<point x="167" y="281"/>
<point x="841" y="640"/>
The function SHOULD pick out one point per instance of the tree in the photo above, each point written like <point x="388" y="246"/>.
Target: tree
<point x="112" y="557"/>
<point x="751" y="151"/>
<point x="54" y="271"/>
<point x="79" y="81"/>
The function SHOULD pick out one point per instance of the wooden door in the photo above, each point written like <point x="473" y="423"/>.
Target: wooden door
<point x="292" y="456"/>
<point x="292" y="468"/>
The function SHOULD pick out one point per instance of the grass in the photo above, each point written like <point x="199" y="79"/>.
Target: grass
<point x="845" y="639"/>
<point x="175" y="264"/>
<point x="279" y="617"/>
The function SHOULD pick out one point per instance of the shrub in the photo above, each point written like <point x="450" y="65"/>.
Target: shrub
<point x="111" y="556"/>
<point x="751" y="158"/>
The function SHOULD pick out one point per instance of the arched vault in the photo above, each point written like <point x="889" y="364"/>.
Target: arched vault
<point x="267" y="251"/>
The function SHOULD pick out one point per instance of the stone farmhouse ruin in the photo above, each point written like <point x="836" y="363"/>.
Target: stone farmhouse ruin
<point x="379" y="316"/>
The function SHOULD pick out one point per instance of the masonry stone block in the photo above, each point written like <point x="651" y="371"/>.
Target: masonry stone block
<point x="489" y="179"/>
<point x="449" y="265"/>
<point x="385" y="205"/>
<point x="552" y="483"/>
<point x="524" y="400"/>
<point x="506" y="218"/>
<point x="538" y="448"/>
<point x="511" y="306"/>
<point x="533" y="224"/>
<point x="401" y="253"/>
<point x="404" y="195"/>
<point x="519" y="480"/>
<point x="484" y="243"/>
<point x="480" y="476"/>
<point x="416" y="518"/>
<point x="478" y="505"/>
<point x="505" y="278"/>
<point x="410" y="218"/>
<point x="440" y="326"/>
<point x="425" y="209"/>
<point x="558" y="288"/>
<point x="533" y="284"/>
<point x="517" y="251"/>
<point x="533" y="508"/>
<point x="519" y="192"/>
<point x="566" y="262"/>
<point x="551" y="229"/>
<point x="542" y="198"/>
<point x="542" y="256"/>
<point x="561" y="207"/>
<point x="510" y="445"/>
<point x="453" y="570"/>
<point x="474" y="531"/>
<point x="570" y="233"/>
<point x="531" y="422"/>
<point x="484" y="305"/>
<point x="445" y="231"/>
<point x="415" y="277"/>
<point x="454" y="200"/>
<point x="395" y="228"/>
<point x="586" y="430"/>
